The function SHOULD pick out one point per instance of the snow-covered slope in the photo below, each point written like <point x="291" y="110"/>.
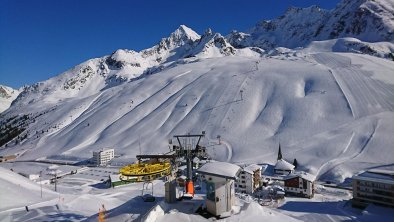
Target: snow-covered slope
<point x="367" y="20"/>
<point x="353" y="45"/>
<point x="330" y="104"/>
<point x="7" y="95"/>
<point x="330" y="111"/>
<point x="18" y="191"/>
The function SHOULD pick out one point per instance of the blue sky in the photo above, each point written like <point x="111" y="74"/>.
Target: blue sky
<point x="43" y="38"/>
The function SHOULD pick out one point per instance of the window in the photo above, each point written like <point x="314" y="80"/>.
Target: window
<point x="210" y="191"/>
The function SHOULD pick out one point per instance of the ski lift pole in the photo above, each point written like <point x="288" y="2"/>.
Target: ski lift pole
<point x="41" y="182"/>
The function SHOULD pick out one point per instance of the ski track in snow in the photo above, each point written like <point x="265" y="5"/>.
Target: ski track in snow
<point x="229" y="149"/>
<point x="87" y="109"/>
<point x="335" y="161"/>
<point x="332" y="164"/>
<point x="366" y="96"/>
<point x="228" y="97"/>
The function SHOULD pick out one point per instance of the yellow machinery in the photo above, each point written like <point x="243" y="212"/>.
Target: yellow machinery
<point x="140" y="172"/>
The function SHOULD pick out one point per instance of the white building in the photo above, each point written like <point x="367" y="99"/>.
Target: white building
<point x="373" y="186"/>
<point x="283" y="167"/>
<point x="220" y="178"/>
<point x="249" y="179"/>
<point x="300" y="184"/>
<point x="102" y="157"/>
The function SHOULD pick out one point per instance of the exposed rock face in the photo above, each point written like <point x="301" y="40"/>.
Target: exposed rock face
<point x="367" y="20"/>
<point x="7" y="95"/>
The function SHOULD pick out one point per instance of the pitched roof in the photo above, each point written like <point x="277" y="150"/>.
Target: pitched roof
<point x="251" y="168"/>
<point x="302" y="174"/>
<point x="283" y="165"/>
<point x="220" y="169"/>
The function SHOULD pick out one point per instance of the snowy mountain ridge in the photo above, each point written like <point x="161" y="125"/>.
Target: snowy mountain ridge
<point x="329" y="102"/>
<point x="366" y="20"/>
<point x="87" y="78"/>
<point x="7" y="95"/>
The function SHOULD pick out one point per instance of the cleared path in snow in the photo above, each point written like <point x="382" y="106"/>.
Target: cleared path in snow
<point x="365" y="95"/>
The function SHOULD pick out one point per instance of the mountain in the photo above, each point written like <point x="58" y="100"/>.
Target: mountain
<point x="329" y="103"/>
<point x="366" y="20"/>
<point x="7" y="95"/>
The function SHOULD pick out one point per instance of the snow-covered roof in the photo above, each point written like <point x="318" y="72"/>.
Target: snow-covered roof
<point x="251" y="168"/>
<point x="382" y="171"/>
<point x="220" y="169"/>
<point x="283" y="165"/>
<point x="302" y="174"/>
<point x="384" y="176"/>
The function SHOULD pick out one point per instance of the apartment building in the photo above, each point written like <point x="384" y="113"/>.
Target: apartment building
<point x="249" y="179"/>
<point x="373" y="186"/>
<point x="102" y="157"/>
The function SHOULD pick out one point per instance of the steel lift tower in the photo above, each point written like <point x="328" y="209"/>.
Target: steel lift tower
<point x="189" y="148"/>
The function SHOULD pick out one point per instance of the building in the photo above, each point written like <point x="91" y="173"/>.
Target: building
<point x="249" y="179"/>
<point x="30" y="176"/>
<point x="220" y="179"/>
<point x="102" y="157"/>
<point x="7" y="158"/>
<point x="300" y="184"/>
<point x="283" y="167"/>
<point x="373" y="186"/>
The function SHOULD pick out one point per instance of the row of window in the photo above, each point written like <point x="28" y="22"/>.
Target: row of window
<point x="374" y="184"/>
<point x="371" y="197"/>
<point x="374" y="191"/>
<point x="296" y="189"/>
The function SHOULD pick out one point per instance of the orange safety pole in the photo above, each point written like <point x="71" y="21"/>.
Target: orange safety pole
<point x="190" y="187"/>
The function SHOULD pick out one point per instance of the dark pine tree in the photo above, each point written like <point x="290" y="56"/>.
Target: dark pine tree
<point x="295" y="163"/>
<point x="279" y="153"/>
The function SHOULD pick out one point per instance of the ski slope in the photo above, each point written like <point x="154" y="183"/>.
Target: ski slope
<point x="18" y="191"/>
<point x="331" y="111"/>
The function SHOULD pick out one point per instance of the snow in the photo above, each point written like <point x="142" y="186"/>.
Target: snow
<point x="330" y="105"/>
<point x="221" y="169"/>
<point x="301" y="174"/>
<point x="386" y="176"/>
<point x="283" y="165"/>
<point x="18" y="191"/>
<point x="7" y="95"/>
<point x="320" y="120"/>
<point x="369" y="21"/>
<point x="251" y="168"/>
<point x="353" y="45"/>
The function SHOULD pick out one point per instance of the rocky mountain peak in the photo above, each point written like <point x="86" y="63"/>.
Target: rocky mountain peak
<point x="208" y="32"/>
<point x="7" y="95"/>
<point x="181" y="36"/>
<point x="367" y="20"/>
<point x="7" y="92"/>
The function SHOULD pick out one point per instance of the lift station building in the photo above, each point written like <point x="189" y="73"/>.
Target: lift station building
<point x="220" y="178"/>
